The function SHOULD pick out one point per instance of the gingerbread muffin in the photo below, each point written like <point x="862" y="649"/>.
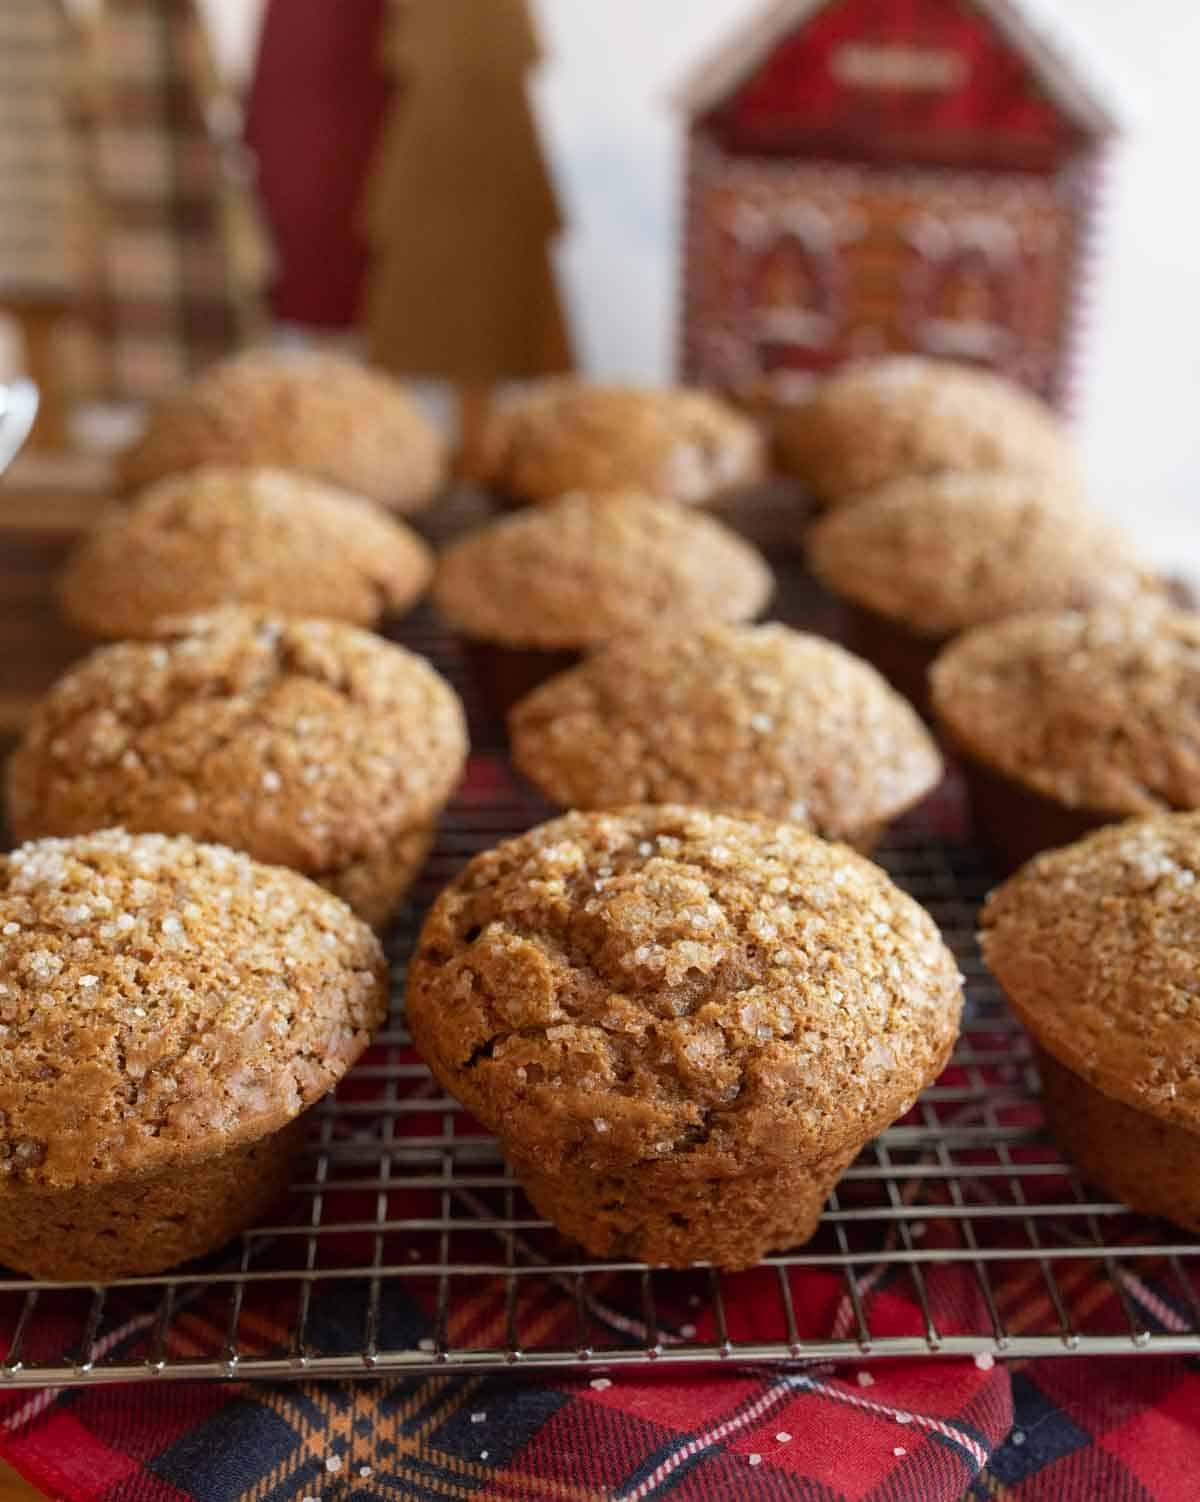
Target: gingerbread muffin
<point x="169" y="1011"/>
<point x="320" y="415"/>
<point x="305" y="743"/>
<point x="1098" y="948"/>
<point x="757" y="718"/>
<point x="682" y="1026"/>
<point x="907" y="416"/>
<point x="242" y="536"/>
<point x="923" y="559"/>
<point x="531" y="593"/>
<point x="1068" y="721"/>
<point x="565" y="435"/>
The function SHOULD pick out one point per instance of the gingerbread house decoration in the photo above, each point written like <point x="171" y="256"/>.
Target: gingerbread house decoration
<point x="874" y="175"/>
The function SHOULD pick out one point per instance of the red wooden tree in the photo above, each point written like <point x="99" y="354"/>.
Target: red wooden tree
<point x="318" y="102"/>
<point x="460" y="209"/>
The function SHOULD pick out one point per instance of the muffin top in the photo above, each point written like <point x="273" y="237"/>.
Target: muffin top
<point x="666" y="986"/>
<point x="565" y="435"/>
<point x="162" y="1000"/>
<point x="1098" y="710"/>
<point x="940" y="554"/>
<point x="251" y="536"/>
<point x="759" y="718"/>
<point x="306" y="743"/>
<point x="909" y="415"/>
<point x="322" y="415"/>
<point x="1098" y="947"/>
<point x="587" y="568"/>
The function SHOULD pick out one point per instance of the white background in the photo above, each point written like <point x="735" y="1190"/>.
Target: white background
<point x="614" y="142"/>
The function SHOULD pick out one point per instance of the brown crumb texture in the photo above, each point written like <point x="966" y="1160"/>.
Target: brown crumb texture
<point x="147" y="1222"/>
<point x="1097" y="946"/>
<point x="1097" y="710"/>
<point x="253" y="537"/>
<point x="163" y="1001"/>
<point x="680" y="996"/>
<point x="937" y="556"/>
<point x="565" y="435"/>
<point x="907" y="415"/>
<point x="376" y="885"/>
<point x="731" y="1222"/>
<point x="323" y="415"/>
<point x="305" y="743"/>
<point x="759" y="718"/>
<point x="591" y="567"/>
<point x="1151" y="1165"/>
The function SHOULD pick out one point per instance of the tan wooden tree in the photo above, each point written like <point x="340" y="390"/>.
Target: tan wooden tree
<point x="460" y="211"/>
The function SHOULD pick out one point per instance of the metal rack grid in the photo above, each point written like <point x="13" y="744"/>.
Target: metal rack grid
<point x="409" y="1247"/>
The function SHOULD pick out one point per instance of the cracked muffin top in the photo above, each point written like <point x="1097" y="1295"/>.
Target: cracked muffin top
<point x="321" y="415"/>
<point x="242" y="536"/>
<point x="939" y="555"/>
<point x="908" y="415"/>
<point x="759" y="718"/>
<point x="1095" y="709"/>
<point x="567" y="435"/>
<point x="305" y="743"/>
<point x="587" y="568"/>
<point x="670" y="986"/>
<point x="162" y="1000"/>
<point x="1097" y="946"/>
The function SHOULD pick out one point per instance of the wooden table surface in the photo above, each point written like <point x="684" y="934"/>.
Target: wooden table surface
<point x="13" y="1489"/>
<point x="37" y="530"/>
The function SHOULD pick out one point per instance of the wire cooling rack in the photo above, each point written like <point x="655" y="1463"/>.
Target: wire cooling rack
<point x="407" y="1246"/>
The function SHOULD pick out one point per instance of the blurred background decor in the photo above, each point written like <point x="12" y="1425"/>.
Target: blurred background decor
<point x="866" y="177"/>
<point x="42" y="191"/>
<point x="311" y="160"/>
<point x="461" y="210"/>
<point x="183" y="258"/>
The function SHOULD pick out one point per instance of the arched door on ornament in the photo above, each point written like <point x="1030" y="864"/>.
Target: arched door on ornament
<point x="794" y="302"/>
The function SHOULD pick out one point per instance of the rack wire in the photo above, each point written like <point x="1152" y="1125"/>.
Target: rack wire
<point x="407" y="1246"/>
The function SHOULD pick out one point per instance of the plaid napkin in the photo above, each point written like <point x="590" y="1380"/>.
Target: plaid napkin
<point x="1069" y="1430"/>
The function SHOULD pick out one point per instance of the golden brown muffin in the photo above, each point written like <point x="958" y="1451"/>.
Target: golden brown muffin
<point x="909" y="416"/>
<point x="305" y="743"/>
<point x="682" y="1026"/>
<point x="532" y="592"/>
<point x="169" y="1010"/>
<point x="758" y="718"/>
<point x="588" y="568"/>
<point x="1071" y="720"/>
<point x="321" y="415"/>
<point x="920" y="560"/>
<point x="242" y="536"/>
<point x="1098" y="949"/>
<point x="566" y="435"/>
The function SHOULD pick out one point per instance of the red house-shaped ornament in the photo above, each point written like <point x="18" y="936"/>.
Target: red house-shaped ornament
<point x="874" y="175"/>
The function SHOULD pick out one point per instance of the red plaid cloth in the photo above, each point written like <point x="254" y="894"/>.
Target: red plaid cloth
<point x="1068" y="1430"/>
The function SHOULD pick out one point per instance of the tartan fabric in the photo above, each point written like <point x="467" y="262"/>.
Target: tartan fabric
<point x="1069" y="1430"/>
<point x="41" y="174"/>
<point x="179" y="273"/>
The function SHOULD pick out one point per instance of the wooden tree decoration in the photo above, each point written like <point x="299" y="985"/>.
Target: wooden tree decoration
<point x="316" y="109"/>
<point x="183" y="259"/>
<point x="41" y="189"/>
<point x="460" y="210"/>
